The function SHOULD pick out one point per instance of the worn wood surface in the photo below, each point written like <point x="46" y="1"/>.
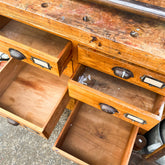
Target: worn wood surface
<point x="101" y="142"/>
<point x="111" y="28"/>
<point x="33" y="95"/>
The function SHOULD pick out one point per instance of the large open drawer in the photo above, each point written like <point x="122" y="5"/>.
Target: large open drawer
<point x="94" y="137"/>
<point x="34" y="46"/>
<point x="32" y="97"/>
<point x="129" y="102"/>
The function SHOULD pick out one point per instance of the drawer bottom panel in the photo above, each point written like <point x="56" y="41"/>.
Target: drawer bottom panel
<point x="31" y="96"/>
<point x="94" y="137"/>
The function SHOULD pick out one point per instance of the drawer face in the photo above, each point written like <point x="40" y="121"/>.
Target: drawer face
<point x="93" y="137"/>
<point x="132" y="103"/>
<point x="36" y="47"/>
<point x="123" y="70"/>
<point x="31" y="96"/>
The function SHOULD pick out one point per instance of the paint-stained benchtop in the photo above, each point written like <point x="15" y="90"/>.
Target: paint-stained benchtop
<point x="111" y="28"/>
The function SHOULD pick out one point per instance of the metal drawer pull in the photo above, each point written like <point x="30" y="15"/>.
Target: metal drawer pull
<point x="16" y="54"/>
<point x="41" y="63"/>
<point x="12" y="122"/>
<point x="134" y="118"/>
<point x="108" y="109"/>
<point x="153" y="82"/>
<point x="122" y="72"/>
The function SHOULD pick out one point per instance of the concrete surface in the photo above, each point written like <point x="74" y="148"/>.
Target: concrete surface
<point x="18" y="146"/>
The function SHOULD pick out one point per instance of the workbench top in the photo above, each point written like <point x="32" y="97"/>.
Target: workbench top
<point x="110" y="26"/>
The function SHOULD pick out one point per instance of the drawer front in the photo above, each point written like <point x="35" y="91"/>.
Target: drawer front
<point x="129" y="106"/>
<point x="82" y="133"/>
<point x="32" y="97"/>
<point x="36" y="47"/>
<point x="123" y="70"/>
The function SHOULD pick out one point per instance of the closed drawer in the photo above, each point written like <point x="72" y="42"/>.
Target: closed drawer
<point x="34" y="46"/>
<point x="129" y="102"/>
<point x="93" y="137"/>
<point x="122" y="69"/>
<point x="32" y="97"/>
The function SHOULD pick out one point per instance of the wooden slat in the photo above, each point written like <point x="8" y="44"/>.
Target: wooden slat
<point x="55" y="115"/>
<point x="9" y="73"/>
<point x="130" y="145"/>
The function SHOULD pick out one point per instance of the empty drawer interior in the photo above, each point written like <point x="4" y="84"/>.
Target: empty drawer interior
<point x="34" y="38"/>
<point x="117" y="88"/>
<point x="95" y="137"/>
<point x="29" y="92"/>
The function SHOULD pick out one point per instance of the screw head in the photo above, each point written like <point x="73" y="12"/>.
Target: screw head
<point x="85" y="18"/>
<point x="134" y="34"/>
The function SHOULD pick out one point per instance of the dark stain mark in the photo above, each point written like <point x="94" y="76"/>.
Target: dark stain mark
<point x="12" y="99"/>
<point x="100" y="134"/>
<point x="99" y="44"/>
<point x="30" y="84"/>
<point x="93" y="39"/>
<point x="119" y="52"/>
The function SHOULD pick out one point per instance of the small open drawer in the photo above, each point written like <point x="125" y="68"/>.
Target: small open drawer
<point x="32" y="97"/>
<point x="121" y="69"/>
<point x="129" y="102"/>
<point x="92" y="137"/>
<point x="34" y="46"/>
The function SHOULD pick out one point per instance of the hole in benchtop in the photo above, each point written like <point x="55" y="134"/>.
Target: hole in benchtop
<point x="44" y="5"/>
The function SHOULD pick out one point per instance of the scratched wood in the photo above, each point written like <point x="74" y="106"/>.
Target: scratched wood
<point x="111" y="27"/>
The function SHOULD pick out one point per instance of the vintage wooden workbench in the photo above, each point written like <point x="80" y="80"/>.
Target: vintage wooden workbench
<point x="127" y="52"/>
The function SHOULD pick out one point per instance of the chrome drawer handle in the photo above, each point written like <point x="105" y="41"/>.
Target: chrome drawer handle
<point x="12" y="122"/>
<point x="108" y="109"/>
<point x="16" y="54"/>
<point x="122" y="72"/>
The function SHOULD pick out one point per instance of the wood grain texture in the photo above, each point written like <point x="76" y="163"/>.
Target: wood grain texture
<point x="126" y="99"/>
<point x="33" y="42"/>
<point x="89" y="133"/>
<point x="33" y="95"/>
<point x="110" y="27"/>
<point x="105" y="63"/>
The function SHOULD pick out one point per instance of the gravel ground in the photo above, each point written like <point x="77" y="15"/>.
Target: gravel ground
<point x="18" y="146"/>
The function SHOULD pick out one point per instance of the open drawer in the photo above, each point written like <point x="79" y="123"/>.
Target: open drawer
<point x="129" y="102"/>
<point x="93" y="137"/>
<point x="32" y="97"/>
<point x="34" y="46"/>
<point x="121" y="69"/>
